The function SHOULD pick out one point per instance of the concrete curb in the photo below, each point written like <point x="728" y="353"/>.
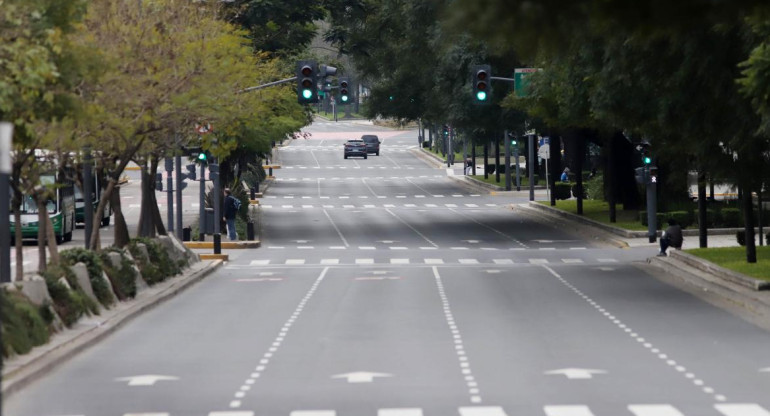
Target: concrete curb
<point x="22" y="370"/>
<point x="233" y="245"/>
<point x="583" y="229"/>
<point x="429" y="158"/>
<point x="718" y="271"/>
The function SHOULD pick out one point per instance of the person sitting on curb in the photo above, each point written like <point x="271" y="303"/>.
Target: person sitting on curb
<point x="565" y="175"/>
<point x="672" y="237"/>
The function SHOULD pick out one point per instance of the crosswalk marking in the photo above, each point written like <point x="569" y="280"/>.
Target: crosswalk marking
<point x="654" y="410"/>
<point x="468" y="261"/>
<point x="482" y="411"/>
<point x="230" y="413"/>
<point x="434" y="261"/>
<point x="313" y="413"/>
<point x="259" y="262"/>
<point x="151" y="414"/>
<point x="399" y="261"/>
<point x="330" y="261"/>
<point x="364" y="261"/>
<point x="741" y="409"/>
<point x="606" y="260"/>
<point x="400" y="412"/>
<point x="503" y="261"/>
<point x="567" y="411"/>
<point x="572" y="261"/>
<point x="295" y="261"/>
<point x="538" y="261"/>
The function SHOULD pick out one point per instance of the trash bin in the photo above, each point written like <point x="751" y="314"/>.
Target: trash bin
<point x="186" y="233"/>
<point x="209" y="225"/>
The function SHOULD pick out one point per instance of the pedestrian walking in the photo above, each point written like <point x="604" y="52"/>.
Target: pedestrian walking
<point x="468" y="166"/>
<point x="232" y="205"/>
<point x="672" y="237"/>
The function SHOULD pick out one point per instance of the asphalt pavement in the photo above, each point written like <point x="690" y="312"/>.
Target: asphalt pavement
<point x="385" y="287"/>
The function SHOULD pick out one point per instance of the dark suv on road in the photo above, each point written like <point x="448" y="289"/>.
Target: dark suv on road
<point x="372" y="143"/>
<point x="355" y="148"/>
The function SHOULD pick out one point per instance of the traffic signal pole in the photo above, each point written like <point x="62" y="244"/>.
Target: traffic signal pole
<point x="202" y="209"/>
<point x="531" y="165"/>
<point x="179" y="180"/>
<point x="652" y="205"/>
<point x="88" y="201"/>
<point x="170" y="193"/>
<point x="507" y="161"/>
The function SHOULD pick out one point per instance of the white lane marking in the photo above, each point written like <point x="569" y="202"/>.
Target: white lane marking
<point x="399" y="412"/>
<point x="313" y="413"/>
<point x="572" y="260"/>
<point x="399" y="261"/>
<point x="238" y="413"/>
<point x="567" y="411"/>
<point x="337" y="248"/>
<point x="465" y="367"/>
<point x="450" y="205"/>
<point x="295" y="261"/>
<point x="434" y="261"/>
<point x="399" y="248"/>
<point x="468" y="261"/>
<point x="607" y="260"/>
<point x="146" y="414"/>
<point x="367" y="248"/>
<point x="538" y="261"/>
<point x="654" y="410"/>
<point x="503" y="261"/>
<point x="431" y="205"/>
<point x="482" y="411"/>
<point x="342" y="237"/>
<point x="305" y="247"/>
<point x="330" y="261"/>
<point x="741" y="409"/>
<point x="255" y="374"/>
<point x="364" y="261"/>
<point x="413" y="229"/>
<point x="471" y="205"/>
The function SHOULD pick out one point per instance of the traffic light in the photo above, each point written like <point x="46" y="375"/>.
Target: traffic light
<point x="191" y="172"/>
<point x="158" y="181"/>
<point x="202" y="156"/>
<point x="307" y="88"/>
<point x="514" y="142"/>
<point x="646" y="159"/>
<point x="344" y="91"/>
<point x="482" y="87"/>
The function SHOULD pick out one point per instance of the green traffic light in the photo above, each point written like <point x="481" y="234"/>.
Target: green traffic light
<point x="344" y="98"/>
<point x="513" y="142"/>
<point x="390" y="98"/>
<point x="307" y="94"/>
<point x="481" y="96"/>
<point x="647" y="160"/>
<point x="201" y="156"/>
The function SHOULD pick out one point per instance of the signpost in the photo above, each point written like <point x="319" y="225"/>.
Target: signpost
<point x="521" y="81"/>
<point x="544" y="152"/>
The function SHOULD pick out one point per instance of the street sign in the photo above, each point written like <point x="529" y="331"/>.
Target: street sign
<point x="544" y="152"/>
<point x="520" y="81"/>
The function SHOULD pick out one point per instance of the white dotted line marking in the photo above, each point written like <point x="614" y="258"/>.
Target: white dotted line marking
<point x="265" y="360"/>
<point x="465" y="367"/>
<point x="700" y="384"/>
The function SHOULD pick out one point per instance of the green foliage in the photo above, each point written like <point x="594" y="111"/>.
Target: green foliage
<point x="123" y="278"/>
<point x="23" y="325"/>
<point x="734" y="258"/>
<point x="594" y="187"/>
<point x="70" y="305"/>
<point x="731" y="217"/>
<point x="159" y="267"/>
<point x="95" y="269"/>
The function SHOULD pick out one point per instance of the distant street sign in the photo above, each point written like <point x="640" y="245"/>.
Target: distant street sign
<point x="203" y="128"/>
<point x="521" y="81"/>
<point x="544" y="152"/>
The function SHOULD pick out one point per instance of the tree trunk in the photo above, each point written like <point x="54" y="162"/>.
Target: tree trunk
<point x="610" y="180"/>
<point x="748" y="220"/>
<point x="702" y="213"/>
<point x="486" y="160"/>
<point x="157" y="220"/>
<point x="19" y="243"/>
<point x="579" y="158"/>
<point x="42" y="212"/>
<point x="554" y="165"/>
<point x="122" y="238"/>
<point x="53" y="248"/>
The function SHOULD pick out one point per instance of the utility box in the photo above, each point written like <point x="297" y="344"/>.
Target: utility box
<point x="208" y="225"/>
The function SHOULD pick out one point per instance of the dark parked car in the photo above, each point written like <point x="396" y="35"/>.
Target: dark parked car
<point x="372" y="143"/>
<point x="355" y="148"/>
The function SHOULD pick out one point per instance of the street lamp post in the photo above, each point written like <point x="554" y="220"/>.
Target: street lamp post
<point x="88" y="198"/>
<point x="6" y="134"/>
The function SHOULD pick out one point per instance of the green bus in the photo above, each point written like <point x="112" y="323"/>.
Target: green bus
<point x="60" y="208"/>
<point x="96" y="194"/>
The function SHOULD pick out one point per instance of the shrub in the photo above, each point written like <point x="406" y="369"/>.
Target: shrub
<point x="731" y="217"/>
<point x="95" y="269"/>
<point x="23" y="326"/>
<point x="712" y="218"/>
<point x="594" y="187"/>
<point x="562" y="190"/>
<point x="160" y="265"/>
<point x="490" y="169"/>
<point x="123" y="278"/>
<point x="575" y="191"/>
<point x="683" y="218"/>
<point x="70" y="305"/>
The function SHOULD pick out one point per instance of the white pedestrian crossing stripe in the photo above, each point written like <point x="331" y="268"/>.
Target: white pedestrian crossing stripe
<point x="572" y="261"/>
<point x="260" y="262"/>
<point x="330" y="261"/>
<point x="295" y="261"/>
<point x="654" y="410"/>
<point x="567" y="411"/>
<point x="741" y="409"/>
<point x="469" y="261"/>
<point x="434" y="261"/>
<point x="399" y="412"/>
<point x="232" y="413"/>
<point x="313" y="413"/>
<point x="503" y="261"/>
<point x="482" y="411"/>
<point x="538" y="261"/>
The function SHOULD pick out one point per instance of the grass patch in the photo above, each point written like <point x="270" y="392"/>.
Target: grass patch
<point x="600" y="211"/>
<point x="492" y="181"/>
<point x="734" y="258"/>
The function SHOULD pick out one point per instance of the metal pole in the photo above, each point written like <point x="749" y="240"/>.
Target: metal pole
<point x="179" y="181"/>
<point x="202" y="209"/>
<point x="486" y="160"/>
<point x="652" y="206"/>
<point x="6" y="134"/>
<point x="507" y="145"/>
<point x="449" y="151"/>
<point x="473" y="159"/>
<point x="761" y="230"/>
<point x="214" y="167"/>
<point x="497" y="159"/>
<point x="88" y="198"/>
<point x="518" y="175"/>
<point x="170" y="193"/>
<point x="531" y="165"/>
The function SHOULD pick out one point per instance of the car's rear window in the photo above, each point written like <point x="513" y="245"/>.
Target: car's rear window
<point x="370" y="139"/>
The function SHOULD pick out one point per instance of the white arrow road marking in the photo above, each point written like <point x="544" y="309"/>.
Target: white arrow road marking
<point x="576" y="373"/>
<point x="146" y="380"/>
<point x="400" y="412"/>
<point x="654" y="410"/>
<point x="361" y="376"/>
<point x="482" y="411"/>
<point x="741" y="410"/>
<point x="568" y="411"/>
<point x="313" y="413"/>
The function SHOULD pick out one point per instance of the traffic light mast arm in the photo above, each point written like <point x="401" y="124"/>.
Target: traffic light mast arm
<point x="502" y="79"/>
<point x="269" y="84"/>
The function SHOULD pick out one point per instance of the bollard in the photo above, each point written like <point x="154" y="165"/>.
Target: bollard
<point x="270" y="169"/>
<point x="250" y="231"/>
<point x="253" y="193"/>
<point x="217" y="243"/>
<point x="186" y="233"/>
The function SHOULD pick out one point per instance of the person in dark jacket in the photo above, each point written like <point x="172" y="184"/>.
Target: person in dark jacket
<point x="672" y="237"/>
<point x="231" y="210"/>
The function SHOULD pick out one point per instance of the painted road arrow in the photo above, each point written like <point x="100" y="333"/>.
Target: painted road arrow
<point x="146" y="380"/>
<point x="361" y="376"/>
<point x="576" y="373"/>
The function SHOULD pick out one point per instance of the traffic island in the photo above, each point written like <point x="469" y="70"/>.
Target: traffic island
<point x="231" y="245"/>
<point x="211" y="256"/>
